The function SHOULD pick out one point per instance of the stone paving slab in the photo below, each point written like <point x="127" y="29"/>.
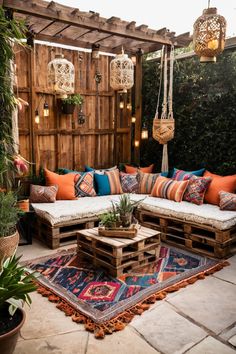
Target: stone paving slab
<point x="69" y="343"/>
<point x="228" y="273"/>
<point x="44" y="319"/>
<point x="167" y="331"/>
<point x="232" y="340"/>
<point x="227" y="334"/>
<point x="210" y="302"/>
<point x="210" y="346"/>
<point x="127" y="341"/>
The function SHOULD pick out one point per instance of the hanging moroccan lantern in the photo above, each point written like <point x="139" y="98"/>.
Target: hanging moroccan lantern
<point x="121" y="73"/>
<point x="61" y="75"/>
<point x="209" y="35"/>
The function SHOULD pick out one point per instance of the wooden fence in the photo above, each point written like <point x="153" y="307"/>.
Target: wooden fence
<point x="59" y="140"/>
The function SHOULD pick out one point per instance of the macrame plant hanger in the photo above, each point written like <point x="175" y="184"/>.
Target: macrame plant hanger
<point x="163" y="128"/>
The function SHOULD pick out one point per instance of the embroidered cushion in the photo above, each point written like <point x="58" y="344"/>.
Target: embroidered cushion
<point x="146" y="181"/>
<point x="131" y="169"/>
<point x="181" y="175"/>
<point x="114" y="181"/>
<point x="219" y="183"/>
<point x="169" y="189"/>
<point x="227" y="201"/>
<point x="65" y="183"/>
<point x="129" y="182"/>
<point x="196" y="189"/>
<point x="84" y="185"/>
<point x="43" y="194"/>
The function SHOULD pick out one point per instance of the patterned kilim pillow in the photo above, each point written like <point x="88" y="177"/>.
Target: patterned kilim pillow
<point x="129" y="182"/>
<point x="180" y="175"/>
<point x="169" y="189"/>
<point x="84" y="185"/>
<point x="146" y="181"/>
<point x="196" y="189"/>
<point x="227" y="201"/>
<point x="43" y="194"/>
<point x="114" y="181"/>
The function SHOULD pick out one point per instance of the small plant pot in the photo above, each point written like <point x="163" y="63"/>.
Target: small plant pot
<point x="8" y="245"/>
<point x="126" y="219"/>
<point x="67" y="108"/>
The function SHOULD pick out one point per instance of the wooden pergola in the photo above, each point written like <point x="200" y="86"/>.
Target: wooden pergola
<point x="63" y="25"/>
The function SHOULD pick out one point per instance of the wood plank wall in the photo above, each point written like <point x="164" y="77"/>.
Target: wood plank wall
<point x="58" y="140"/>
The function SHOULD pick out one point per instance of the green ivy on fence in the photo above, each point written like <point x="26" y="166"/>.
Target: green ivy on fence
<point x="204" y="104"/>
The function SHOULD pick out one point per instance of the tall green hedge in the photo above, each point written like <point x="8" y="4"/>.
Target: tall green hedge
<point x="204" y="103"/>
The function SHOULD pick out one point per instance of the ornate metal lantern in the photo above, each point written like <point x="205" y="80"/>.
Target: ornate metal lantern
<point x="209" y="35"/>
<point x="61" y="75"/>
<point x="121" y="73"/>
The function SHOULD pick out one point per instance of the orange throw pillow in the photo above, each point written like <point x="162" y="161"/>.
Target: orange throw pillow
<point x="65" y="183"/>
<point x="132" y="170"/>
<point x="218" y="183"/>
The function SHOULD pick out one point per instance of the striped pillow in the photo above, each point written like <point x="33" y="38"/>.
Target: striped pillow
<point x="84" y="184"/>
<point x="114" y="181"/>
<point x="146" y="181"/>
<point x="169" y="189"/>
<point x="227" y="201"/>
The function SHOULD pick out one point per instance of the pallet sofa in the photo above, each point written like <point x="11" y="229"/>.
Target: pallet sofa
<point x="204" y="229"/>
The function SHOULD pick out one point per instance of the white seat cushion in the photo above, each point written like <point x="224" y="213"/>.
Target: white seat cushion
<point x="86" y="207"/>
<point x="206" y="214"/>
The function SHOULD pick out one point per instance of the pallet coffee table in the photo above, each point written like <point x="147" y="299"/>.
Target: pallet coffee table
<point x="119" y="255"/>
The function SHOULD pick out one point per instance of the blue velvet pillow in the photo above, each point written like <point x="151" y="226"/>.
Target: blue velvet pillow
<point x="102" y="184"/>
<point x="64" y="171"/>
<point x="88" y="168"/>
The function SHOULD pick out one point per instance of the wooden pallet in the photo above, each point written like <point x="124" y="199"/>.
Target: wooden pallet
<point x="62" y="233"/>
<point x="117" y="255"/>
<point x="198" y="238"/>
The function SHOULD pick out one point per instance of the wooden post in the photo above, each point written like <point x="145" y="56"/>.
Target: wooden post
<point x="138" y="105"/>
<point x="115" y="128"/>
<point x="32" y="106"/>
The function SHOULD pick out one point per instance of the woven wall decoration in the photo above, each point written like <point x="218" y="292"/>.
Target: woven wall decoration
<point x="209" y="33"/>
<point x="121" y="73"/>
<point x="61" y="75"/>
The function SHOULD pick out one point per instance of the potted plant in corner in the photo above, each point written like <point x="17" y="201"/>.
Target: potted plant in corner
<point x="9" y="215"/>
<point x="15" y="286"/>
<point x="68" y="104"/>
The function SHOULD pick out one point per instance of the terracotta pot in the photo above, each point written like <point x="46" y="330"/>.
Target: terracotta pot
<point x="23" y="205"/>
<point x="9" y="339"/>
<point x="8" y="245"/>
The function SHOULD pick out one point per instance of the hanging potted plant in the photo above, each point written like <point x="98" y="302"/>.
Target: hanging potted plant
<point x="15" y="287"/>
<point x="68" y="104"/>
<point x="9" y="215"/>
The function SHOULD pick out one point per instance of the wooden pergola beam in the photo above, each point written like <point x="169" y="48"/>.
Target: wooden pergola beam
<point x="60" y="13"/>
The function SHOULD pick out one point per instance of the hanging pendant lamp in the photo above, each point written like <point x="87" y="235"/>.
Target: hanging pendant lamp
<point x="209" y="35"/>
<point x="121" y="73"/>
<point x="61" y="75"/>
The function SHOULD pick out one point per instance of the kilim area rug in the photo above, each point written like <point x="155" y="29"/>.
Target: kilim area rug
<point x="106" y="304"/>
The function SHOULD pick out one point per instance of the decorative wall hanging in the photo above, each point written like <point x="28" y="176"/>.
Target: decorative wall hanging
<point x="61" y="75"/>
<point x="163" y="127"/>
<point x="121" y="73"/>
<point x="209" y="35"/>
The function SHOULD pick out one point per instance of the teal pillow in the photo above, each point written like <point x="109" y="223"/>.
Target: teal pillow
<point x="88" y="168"/>
<point x="102" y="184"/>
<point x="64" y="171"/>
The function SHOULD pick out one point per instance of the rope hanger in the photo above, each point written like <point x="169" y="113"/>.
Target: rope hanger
<point x="163" y="127"/>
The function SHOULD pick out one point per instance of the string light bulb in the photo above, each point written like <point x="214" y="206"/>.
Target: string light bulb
<point x="45" y="110"/>
<point x="144" y="132"/>
<point x="133" y="119"/>
<point x="136" y="143"/>
<point x="36" y="117"/>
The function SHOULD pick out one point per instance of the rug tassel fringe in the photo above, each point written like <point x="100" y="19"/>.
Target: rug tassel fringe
<point x="119" y="323"/>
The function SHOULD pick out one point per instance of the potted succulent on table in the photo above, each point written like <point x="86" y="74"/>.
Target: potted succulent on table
<point x="15" y="286"/>
<point x="9" y="215"/>
<point x="68" y="104"/>
<point x="125" y="208"/>
<point x="110" y="220"/>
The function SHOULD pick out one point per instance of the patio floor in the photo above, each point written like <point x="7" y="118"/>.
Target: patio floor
<point x="200" y="318"/>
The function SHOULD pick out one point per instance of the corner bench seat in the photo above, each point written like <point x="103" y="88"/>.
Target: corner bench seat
<point x="201" y="228"/>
